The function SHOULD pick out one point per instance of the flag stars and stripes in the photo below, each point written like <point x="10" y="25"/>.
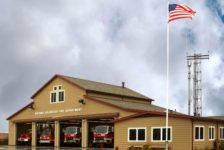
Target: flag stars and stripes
<point x="179" y="11"/>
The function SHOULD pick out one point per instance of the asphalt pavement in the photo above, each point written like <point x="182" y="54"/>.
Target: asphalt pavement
<point x="46" y="148"/>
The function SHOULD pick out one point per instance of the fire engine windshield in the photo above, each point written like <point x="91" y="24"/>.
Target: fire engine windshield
<point x="46" y="132"/>
<point x="29" y="131"/>
<point x="101" y="129"/>
<point x="69" y="130"/>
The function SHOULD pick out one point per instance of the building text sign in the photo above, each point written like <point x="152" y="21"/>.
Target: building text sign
<point x="58" y="111"/>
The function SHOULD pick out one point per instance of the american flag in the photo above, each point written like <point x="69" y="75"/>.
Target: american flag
<point x="179" y="11"/>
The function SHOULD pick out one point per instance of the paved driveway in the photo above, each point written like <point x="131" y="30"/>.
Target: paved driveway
<point x="45" y="148"/>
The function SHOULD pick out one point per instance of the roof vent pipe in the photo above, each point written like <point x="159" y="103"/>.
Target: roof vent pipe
<point x="123" y="83"/>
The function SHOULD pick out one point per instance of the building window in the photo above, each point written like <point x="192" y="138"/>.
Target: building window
<point x="136" y="134"/>
<point x="57" y="95"/>
<point x="221" y="133"/>
<point x="199" y="133"/>
<point x="53" y="97"/>
<point x="211" y="133"/>
<point x="159" y="134"/>
<point x="61" y="96"/>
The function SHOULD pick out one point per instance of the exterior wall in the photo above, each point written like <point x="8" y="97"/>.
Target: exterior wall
<point x="206" y="143"/>
<point x="181" y="132"/>
<point x="12" y="133"/>
<point x="34" y="134"/>
<point x="218" y="130"/>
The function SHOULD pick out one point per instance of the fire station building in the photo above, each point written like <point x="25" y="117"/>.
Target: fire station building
<point x="128" y="117"/>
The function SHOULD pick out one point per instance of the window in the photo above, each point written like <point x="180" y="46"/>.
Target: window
<point x="53" y="97"/>
<point x="199" y="133"/>
<point x="221" y="133"/>
<point x="211" y="133"/>
<point x="57" y="94"/>
<point x="61" y="96"/>
<point x="136" y="134"/>
<point x="159" y="134"/>
<point x="110" y="129"/>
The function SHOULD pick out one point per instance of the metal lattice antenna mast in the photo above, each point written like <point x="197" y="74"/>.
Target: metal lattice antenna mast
<point x="189" y="87"/>
<point x="195" y="62"/>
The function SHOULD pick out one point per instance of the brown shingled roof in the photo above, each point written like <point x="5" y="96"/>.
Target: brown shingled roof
<point x="93" y="86"/>
<point x="216" y="117"/>
<point x="128" y="105"/>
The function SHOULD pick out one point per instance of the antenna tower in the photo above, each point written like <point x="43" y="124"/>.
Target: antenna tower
<point x="194" y="83"/>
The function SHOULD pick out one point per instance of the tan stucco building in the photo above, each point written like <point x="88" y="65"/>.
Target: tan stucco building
<point x="136" y="121"/>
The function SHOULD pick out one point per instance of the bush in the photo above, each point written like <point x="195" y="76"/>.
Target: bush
<point x="221" y="147"/>
<point x="134" y="148"/>
<point x="4" y="142"/>
<point x="206" y="148"/>
<point x="146" y="147"/>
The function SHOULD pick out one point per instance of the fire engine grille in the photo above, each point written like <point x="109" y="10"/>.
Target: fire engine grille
<point x="99" y="138"/>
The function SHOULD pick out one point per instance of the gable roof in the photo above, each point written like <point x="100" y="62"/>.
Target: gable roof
<point x="98" y="87"/>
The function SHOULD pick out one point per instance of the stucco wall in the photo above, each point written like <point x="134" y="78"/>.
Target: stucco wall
<point x="181" y="132"/>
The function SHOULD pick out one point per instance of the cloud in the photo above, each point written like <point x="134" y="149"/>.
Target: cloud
<point x="107" y="41"/>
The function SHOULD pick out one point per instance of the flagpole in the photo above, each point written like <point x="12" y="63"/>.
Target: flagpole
<point x="167" y="75"/>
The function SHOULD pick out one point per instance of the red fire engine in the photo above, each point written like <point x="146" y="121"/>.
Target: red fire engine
<point x="103" y="134"/>
<point x="72" y="135"/>
<point x="25" y="137"/>
<point x="47" y="137"/>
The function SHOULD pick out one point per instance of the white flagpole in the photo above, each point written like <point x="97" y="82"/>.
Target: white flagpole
<point x="167" y="74"/>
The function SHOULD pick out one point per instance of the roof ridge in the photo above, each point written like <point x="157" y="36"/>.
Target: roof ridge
<point x="96" y="86"/>
<point x="103" y="83"/>
<point x="94" y="81"/>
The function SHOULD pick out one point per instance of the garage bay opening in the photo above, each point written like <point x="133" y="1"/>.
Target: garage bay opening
<point x="70" y="133"/>
<point x="101" y="133"/>
<point x="24" y="134"/>
<point x="45" y="134"/>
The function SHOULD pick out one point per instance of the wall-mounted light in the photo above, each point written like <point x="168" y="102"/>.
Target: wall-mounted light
<point x="82" y="101"/>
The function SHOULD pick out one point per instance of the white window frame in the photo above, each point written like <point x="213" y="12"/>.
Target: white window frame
<point x="220" y="134"/>
<point x="199" y="126"/>
<point x="137" y="128"/>
<point x="57" y="94"/>
<point x="211" y="127"/>
<point x="161" y="134"/>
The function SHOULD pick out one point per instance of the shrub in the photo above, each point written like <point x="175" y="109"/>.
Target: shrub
<point x="134" y="148"/>
<point x="4" y="142"/>
<point x="221" y="147"/>
<point x="146" y="147"/>
<point x="206" y="148"/>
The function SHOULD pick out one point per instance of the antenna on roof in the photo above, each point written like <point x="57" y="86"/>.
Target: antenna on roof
<point x="194" y="85"/>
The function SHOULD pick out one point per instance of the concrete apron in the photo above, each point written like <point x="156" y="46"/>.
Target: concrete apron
<point x="47" y="148"/>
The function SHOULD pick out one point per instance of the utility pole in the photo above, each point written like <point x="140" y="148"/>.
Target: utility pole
<point x="194" y="85"/>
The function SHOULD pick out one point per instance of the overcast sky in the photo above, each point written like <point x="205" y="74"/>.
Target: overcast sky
<point x="108" y="41"/>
